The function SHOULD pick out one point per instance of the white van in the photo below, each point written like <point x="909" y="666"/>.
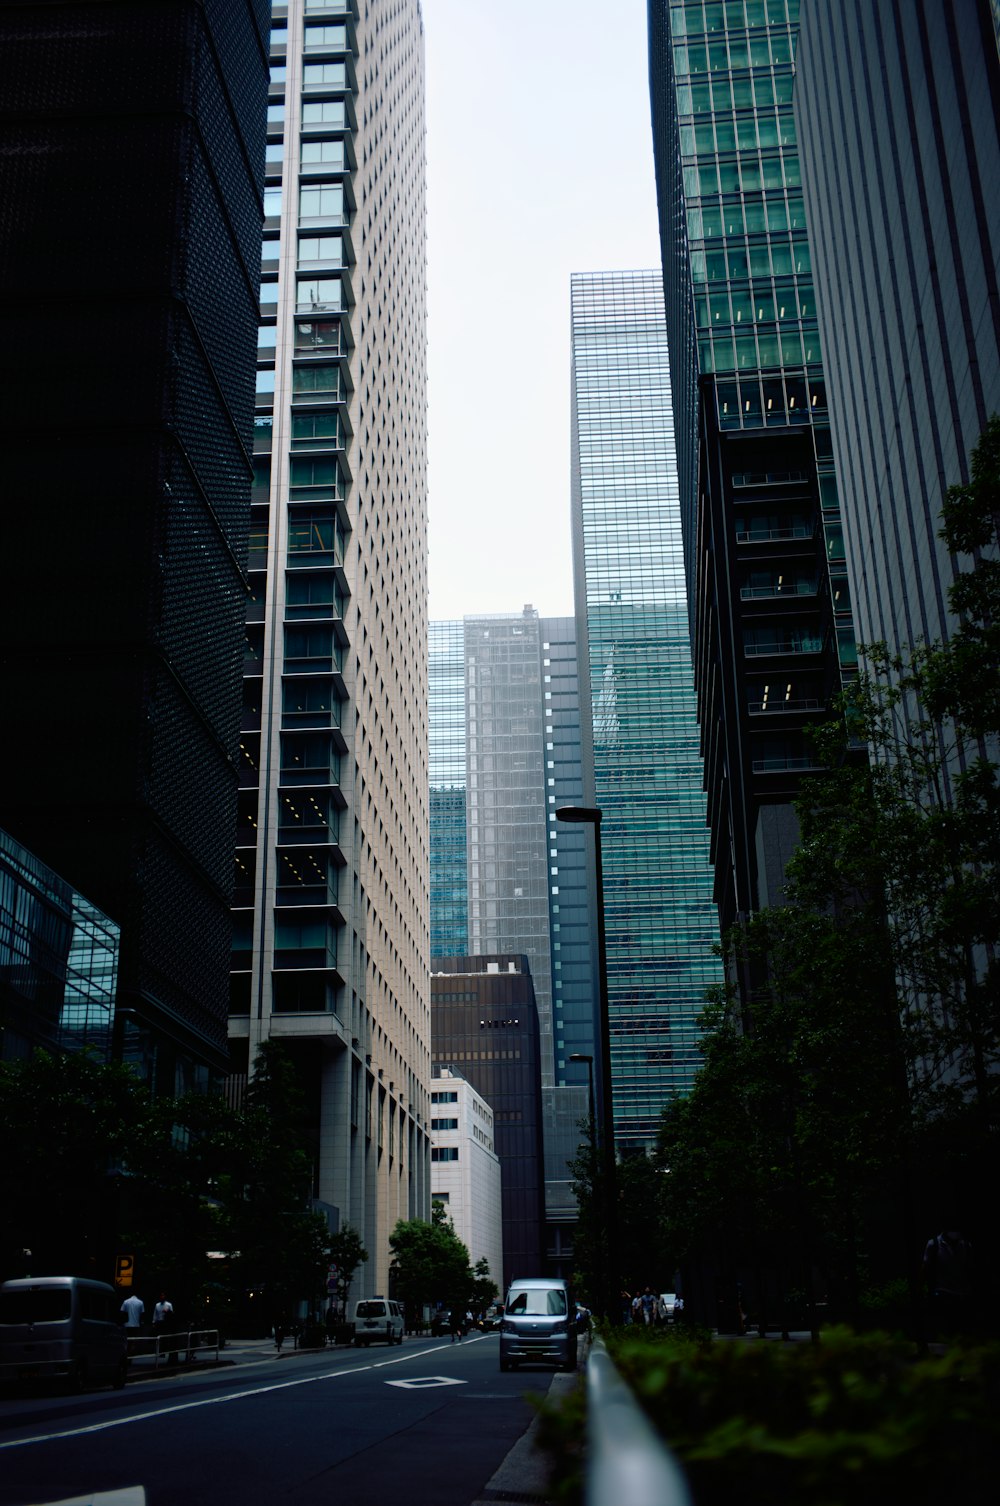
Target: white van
<point x="538" y="1324"/>
<point x="62" y="1328"/>
<point x="377" y="1320"/>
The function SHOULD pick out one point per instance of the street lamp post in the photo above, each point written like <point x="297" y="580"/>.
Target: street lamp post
<point x="591" y="816"/>
<point x="578" y="1056"/>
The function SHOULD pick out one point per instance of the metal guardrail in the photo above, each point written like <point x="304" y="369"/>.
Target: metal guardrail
<point x="629" y="1462"/>
<point x="192" y="1341"/>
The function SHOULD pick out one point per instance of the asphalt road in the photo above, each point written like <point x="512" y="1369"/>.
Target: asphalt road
<point x="424" y="1425"/>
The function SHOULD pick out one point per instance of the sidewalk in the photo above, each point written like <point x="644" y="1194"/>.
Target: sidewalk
<point x="143" y="1367"/>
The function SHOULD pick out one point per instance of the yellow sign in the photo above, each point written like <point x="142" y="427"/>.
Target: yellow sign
<point x="123" y="1270"/>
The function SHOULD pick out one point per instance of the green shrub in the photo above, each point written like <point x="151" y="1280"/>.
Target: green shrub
<point x="852" y="1420"/>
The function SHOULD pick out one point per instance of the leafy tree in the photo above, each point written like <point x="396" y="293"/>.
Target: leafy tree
<point x="96" y="1167"/>
<point x="72" y="1129"/>
<point x="483" y="1289"/>
<point x="430" y="1263"/>
<point x="277" y="1245"/>
<point x="346" y="1253"/>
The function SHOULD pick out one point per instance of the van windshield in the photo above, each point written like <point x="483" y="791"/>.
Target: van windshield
<point x="545" y="1302"/>
<point x="371" y="1309"/>
<point x="38" y="1304"/>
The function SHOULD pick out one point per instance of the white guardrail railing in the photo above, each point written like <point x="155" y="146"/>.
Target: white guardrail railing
<point x="629" y="1464"/>
<point x="189" y="1343"/>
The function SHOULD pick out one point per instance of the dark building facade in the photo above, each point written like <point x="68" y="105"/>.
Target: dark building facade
<point x="484" y="1022"/>
<point x="764" y="549"/>
<point x="58" y="962"/>
<point x="898" y="116"/>
<point x="130" y="219"/>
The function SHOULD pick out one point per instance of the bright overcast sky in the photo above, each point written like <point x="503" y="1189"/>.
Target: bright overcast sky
<point x="539" y="164"/>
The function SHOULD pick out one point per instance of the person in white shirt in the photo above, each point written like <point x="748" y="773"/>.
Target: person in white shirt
<point x="133" y="1307"/>
<point x="163" y="1321"/>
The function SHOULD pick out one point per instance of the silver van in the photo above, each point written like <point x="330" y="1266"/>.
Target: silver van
<point x="62" y="1328"/>
<point x="377" y="1320"/>
<point x="539" y="1324"/>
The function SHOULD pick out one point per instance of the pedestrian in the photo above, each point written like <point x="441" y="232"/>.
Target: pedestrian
<point x="279" y="1333"/>
<point x="626" y="1303"/>
<point x="163" y="1322"/>
<point x="455" y="1323"/>
<point x="948" y="1273"/>
<point x="134" y="1308"/>
<point x="637" y="1308"/>
<point x="648" y="1306"/>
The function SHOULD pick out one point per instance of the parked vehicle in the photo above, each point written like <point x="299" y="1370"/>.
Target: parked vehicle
<point x="377" y="1319"/>
<point x="63" y="1329"/>
<point x="539" y="1324"/>
<point x="491" y="1320"/>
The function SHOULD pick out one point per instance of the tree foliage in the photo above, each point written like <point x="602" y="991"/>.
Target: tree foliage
<point x="276" y="1244"/>
<point x="346" y="1252"/>
<point x="430" y="1264"/>
<point x="94" y="1167"/>
<point x="862" y="1058"/>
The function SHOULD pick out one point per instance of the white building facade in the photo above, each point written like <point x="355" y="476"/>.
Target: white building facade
<point x="465" y="1168"/>
<point x="331" y="935"/>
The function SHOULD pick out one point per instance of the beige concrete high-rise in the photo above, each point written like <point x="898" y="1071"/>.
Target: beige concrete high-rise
<point x="331" y="911"/>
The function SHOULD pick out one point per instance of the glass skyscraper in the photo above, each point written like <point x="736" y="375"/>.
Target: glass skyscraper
<point x="506" y="877"/>
<point x="446" y="761"/>
<point x="763" y="543"/>
<point x="635" y="653"/>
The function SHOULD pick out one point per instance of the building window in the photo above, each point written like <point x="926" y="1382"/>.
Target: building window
<point x="444" y="1124"/>
<point x="324" y="112"/>
<point x="317" y="295"/>
<point x="318" y="36"/>
<point x="328" y="248"/>
<point x="318" y="379"/>
<point x="318" y="334"/>
<point x="444" y="1152"/>
<point x="444" y="1098"/>
<point x="324" y="75"/>
<point x="321" y="201"/>
<point x="323" y="153"/>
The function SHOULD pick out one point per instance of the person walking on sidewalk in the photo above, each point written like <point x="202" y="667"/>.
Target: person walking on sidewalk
<point x="163" y="1319"/>
<point x="134" y="1308"/>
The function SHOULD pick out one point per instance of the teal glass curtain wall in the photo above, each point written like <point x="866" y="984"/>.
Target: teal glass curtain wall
<point x="632" y="620"/>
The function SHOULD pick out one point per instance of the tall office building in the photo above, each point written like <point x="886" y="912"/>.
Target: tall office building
<point x="505" y="876"/>
<point x="763" y="541"/>
<point x="447" y="735"/>
<point x="131" y="174"/>
<point x="505" y="752"/>
<point x="486" y="1026"/>
<point x="897" y="114"/>
<point x="331" y="913"/>
<point x="58" y="962"/>
<point x="635" y="654"/>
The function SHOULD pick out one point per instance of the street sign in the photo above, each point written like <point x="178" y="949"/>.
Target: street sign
<point x="124" y="1267"/>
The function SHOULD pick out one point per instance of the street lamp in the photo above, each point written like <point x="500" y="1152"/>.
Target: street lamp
<point x="590" y="815"/>
<point x="578" y="1056"/>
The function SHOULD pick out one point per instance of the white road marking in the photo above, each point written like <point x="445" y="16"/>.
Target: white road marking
<point x="421" y="1383"/>
<point x="132" y="1495"/>
<point x="213" y="1401"/>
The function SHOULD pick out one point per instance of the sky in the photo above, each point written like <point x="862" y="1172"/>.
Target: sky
<point x="539" y="164"/>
